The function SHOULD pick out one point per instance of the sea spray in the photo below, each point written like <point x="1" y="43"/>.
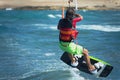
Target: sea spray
<point x="75" y="74"/>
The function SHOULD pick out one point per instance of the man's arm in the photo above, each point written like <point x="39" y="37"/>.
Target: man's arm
<point x="62" y="12"/>
<point x="77" y="19"/>
<point x="78" y="15"/>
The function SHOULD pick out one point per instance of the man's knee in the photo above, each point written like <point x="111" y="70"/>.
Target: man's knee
<point x="85" y="52"/>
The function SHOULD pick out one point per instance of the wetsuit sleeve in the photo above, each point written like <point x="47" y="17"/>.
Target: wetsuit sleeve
<point x="75" y="20"/>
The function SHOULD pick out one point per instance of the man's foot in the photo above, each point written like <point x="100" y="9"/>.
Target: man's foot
<point x="74" y="64"/>
<point x="93" y="70"/>
<point x="98" y="65"/>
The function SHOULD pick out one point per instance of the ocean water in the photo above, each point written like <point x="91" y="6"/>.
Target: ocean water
<point x="29" y="44"/>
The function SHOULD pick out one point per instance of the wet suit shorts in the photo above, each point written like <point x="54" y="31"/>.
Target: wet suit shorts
<point x="71" y="47"/>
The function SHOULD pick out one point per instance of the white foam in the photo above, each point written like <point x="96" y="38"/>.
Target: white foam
<point x="9" y="9"/>
<point x="84" y="10"/>
<point x="54" y="16"/>
<point x="51" y="16"/>
<point x="40" y="25"/>
<point x="105" y="28"/>
<point x="53" y="28"/>
<point x="58" y="15"/>
<point x="49" y="54"/>
<point x="45" y="26"/>
<point x="76" y="74"/>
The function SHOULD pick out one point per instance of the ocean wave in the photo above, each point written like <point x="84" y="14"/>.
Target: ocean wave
<point x="76" y="74"/>
<point x="49" y="54"/>
<point x="43" y="25"/>
<point x="54" y="16"/>
<point x="9" y="9"/>
<point x="58" y="15"/>
<point x="51" y="16"/>
<point x="106" y="28"/>
<point x="49" y="75"/>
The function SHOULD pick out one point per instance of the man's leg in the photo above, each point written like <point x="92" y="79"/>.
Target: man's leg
<point x="74" y="62"/>
<point x="71" y="58"/>
<point x="87" y="58"/>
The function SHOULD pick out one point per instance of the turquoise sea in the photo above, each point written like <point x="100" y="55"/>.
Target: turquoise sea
<point x="29" y="44"/>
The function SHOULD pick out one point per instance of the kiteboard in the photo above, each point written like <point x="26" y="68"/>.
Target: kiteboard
<point x="104" y="70"/>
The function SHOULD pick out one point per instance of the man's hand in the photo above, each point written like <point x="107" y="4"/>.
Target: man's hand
<point x="78" y="15"/>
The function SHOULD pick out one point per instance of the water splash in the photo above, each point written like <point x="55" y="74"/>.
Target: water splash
<point x="76" y="74"/>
